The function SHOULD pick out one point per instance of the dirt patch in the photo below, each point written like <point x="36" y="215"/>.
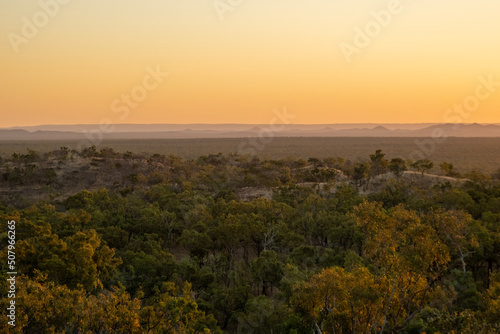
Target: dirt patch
<point x="251" y="193"/>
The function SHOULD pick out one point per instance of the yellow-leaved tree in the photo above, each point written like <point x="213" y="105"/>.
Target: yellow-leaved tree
<point x="403" y="258"/>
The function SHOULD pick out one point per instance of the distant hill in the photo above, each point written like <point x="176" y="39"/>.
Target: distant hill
<point x="191" y="131"/>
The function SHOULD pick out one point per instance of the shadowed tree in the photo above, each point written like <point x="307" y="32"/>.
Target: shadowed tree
<point x="398" y="166"/>
<point x="423" y="165"/>
<point x="361" y="171"/>
<point x="447" y="168"/>
<point x="379" y="163"/>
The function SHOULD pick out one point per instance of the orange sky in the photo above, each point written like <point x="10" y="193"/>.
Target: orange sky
<point x="88" y="54"/>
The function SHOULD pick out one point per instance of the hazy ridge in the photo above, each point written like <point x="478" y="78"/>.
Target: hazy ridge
<point x="192" y="131"/>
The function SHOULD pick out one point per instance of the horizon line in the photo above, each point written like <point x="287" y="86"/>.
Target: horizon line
<point x="291" y="124"/>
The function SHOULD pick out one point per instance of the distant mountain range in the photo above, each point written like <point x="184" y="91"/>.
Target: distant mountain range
<point x="184" y="131"/>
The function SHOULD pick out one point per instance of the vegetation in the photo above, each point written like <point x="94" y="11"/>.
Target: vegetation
<point x="111" y="242"/>
<point x="464" y="153"/>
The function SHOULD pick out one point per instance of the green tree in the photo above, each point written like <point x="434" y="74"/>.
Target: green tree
<point x="267" y="271"/>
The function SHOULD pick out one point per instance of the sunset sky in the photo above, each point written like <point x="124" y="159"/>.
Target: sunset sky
<point x="264" y="54"/>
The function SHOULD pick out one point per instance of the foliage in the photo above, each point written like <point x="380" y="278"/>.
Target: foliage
<point x="160" y="244"/>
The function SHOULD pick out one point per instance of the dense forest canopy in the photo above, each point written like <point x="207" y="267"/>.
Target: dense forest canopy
<point x="126" y="243"/>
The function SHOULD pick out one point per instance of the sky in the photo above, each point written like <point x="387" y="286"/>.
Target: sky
<point x="238" y="61"/>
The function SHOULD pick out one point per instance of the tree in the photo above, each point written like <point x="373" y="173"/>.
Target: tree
<point x="455" y="229"/>
<point x="257" y="317"/>
<point x="492" y="300"/>
<point x="447" y="169"/>
<point x="267" y="271"/>
<point x="338" y="301"/>
<point x="78" y="259"/>
<point x="406" y="256"/>
<point x="423" y="165"/>
<point x="398" y="166"/>
<point x="198" y="244"/>
<point x="379" y="163"/>
<point x="46" y="307"/>
<point x="174" y="310"/>
<point x="361" y="171"/>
